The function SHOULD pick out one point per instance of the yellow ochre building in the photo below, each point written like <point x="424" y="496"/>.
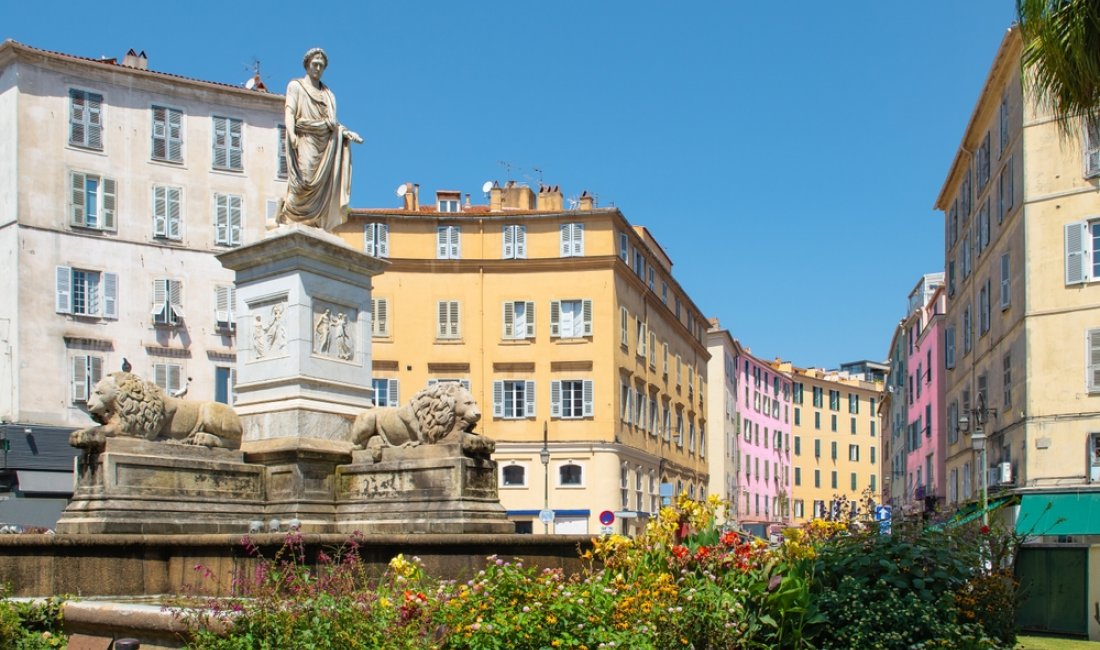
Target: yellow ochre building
<point x="563" y="323"/>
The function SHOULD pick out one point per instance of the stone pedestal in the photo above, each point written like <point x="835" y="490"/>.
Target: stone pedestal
<point x="301" y="479"/>
<point x="304" y="329"/>
<point x="134" y="486"/>
<point x="430" y="489"/>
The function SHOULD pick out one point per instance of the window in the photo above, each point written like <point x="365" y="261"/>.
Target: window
<point x="624" y="247"/>
<point x="953" y="224"/>
<point x="380" y="317"/>
<point x="1006" y="380"/>
<point x="951" y="278"/>
<point x="225" y="306"/>
<point x="853" y="426"/>
<point x="228" y="148"/>
<point x="981" y="228"/>
<point x="853" y="453"/>
<point x="797" y="416"/>
<point x="983" y="308"/>
<point x="818" y="396"/>
<point x="652" y="351"/>
<point x="928" y="420"/>
<point x="679" y="370"/>
<point x="1006" y="286"/>
<point x="797" y="393"/>
<point x="1004" y="123"/>
<point x="166" y="212"/>
<point x="641" y="338"/>
<point x="93" y="201"/>
<point x="799" y="509"/>
<point x="949" y="347"/>
<point x="570" y="318"/>
<point x="513" y="400"/>
<point x="167" y="134"/>
<point x="832" y="424"/>
<point x="387" y="392"/>
<point x="854" y="483"/>
<point x="227" y="219"/>
<point x="168" y="376"/>
<point x="167" y="308"/>
<point x="653" y="416"/>
<point x="968" y="329"/>
<point x="624" y="327"/>
<point x="817" y="420"/>
<point x="570" y="474"/>
<point x="572" y="239"/>
<point x="667" y="419"/>
<point x="832" y="479"/>
<point x="1006" y="190"/>
<point x="1094" y="360"/>
<point x="873" y="461"/>
<point x="953" y="422"/>
<point x="664" y="292"/>
<point x="679" y="428"/>
<point x="798" y="476"/>
<point x="280" y="155"/>
<point x="832" y="447"/>
<point x="1092" y="151"/>
<point x="853" y="403"/>
<point x="448" y="241"/>
<point x="447" y="205"/>
<point x="86" y="293"/>
<point x="519" y="320"/>
<point x="1082" y="249"/>
<point x="817" y="478"/>
<point x="225" y="384"/>
<point x="513" y="476"/>
<point x="376" y="239"/>
<point x="514" y="246"/>
<point x="447" y="320"/>
<point x="87" y="370"/>
<point x="86" y="119"/>
<point x="983" y="164"/>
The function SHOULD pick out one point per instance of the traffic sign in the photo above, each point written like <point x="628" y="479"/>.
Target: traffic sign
<point x="546" y="516"/>
<point x="607" y="517"/>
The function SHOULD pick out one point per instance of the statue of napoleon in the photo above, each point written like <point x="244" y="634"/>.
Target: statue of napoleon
<point x="318" y="151"/>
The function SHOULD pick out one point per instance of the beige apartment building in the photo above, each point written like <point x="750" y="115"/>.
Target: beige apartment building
<point x="567" y="326"/>
<point x="722" y="414"/>
<point x="117" y="183"/>
<point x="837" y="440"/>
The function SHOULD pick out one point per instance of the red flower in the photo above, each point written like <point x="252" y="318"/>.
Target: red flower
<point x="728" y="538"/>
<point x="984" y="530"/>
<point x="702" y="554"/>
<point x="680" y="551"/>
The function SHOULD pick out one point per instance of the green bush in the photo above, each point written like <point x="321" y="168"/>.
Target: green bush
<point x="26" y="625"/>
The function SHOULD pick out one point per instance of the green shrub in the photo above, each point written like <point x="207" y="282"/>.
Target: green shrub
<point x="27" y="625"/>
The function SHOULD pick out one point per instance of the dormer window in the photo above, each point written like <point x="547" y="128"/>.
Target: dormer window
<point x="446" y="201"/>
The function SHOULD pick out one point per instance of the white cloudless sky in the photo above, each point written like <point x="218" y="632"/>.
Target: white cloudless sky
<point x="785" y="155"/>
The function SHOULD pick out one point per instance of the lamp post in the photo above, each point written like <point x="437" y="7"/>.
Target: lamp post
<point x="978" y="442"/>
<point x="544" y="456"/>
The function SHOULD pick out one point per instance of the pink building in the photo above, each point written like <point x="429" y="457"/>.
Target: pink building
<point x="925" y="439"/>
<point x="762" y="417"/>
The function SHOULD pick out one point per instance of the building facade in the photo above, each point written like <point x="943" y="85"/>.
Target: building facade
<point x="568" y="328"/>
<point x="723" y="445"/>
<point x="117" y="183"/>
<point x="923" y="391"/>
<point x="836" y="442"/>
<point x="893" y="419"/>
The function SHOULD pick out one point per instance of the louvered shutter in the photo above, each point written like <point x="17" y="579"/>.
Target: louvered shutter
<point x="379" y="326"/>
<point x="566" y="241"/>
<point x="392" y="393"/>
<point x="529" y="399"/>
<point x="1092" y="152"/>
<point x="235" y="144"/>
<point x="234" y="220"/>
<point x="1006" y="297"/>
<point x="1077" y="245"/>
<point x="1094" y="360"/>
<point x="521" y="242"/>
<point x="95" y="370"/>
<point x="160" y="133"/>
<point x="509" y="246"/>
<point x="173" y="376"/>
<point x="441" y="320"/>
<point x="624" y="323"/>
<point x="173" y="214"/>
<point x="578" y="239"/>
<point x="221" y="136"/>
<point x="587" y="389"/>
<point x="175" y="135"/>
<point x="382" y="241"/>
<point x="95" y="121"/>
<point x="455" y="243"/>
<point x="586" y="308"/>
<point x="80" y="378"/>
<point x="529" y="316"/>
<point x="452" y="320"/>
<point x="175" y="299"/>
<point x="160" y="375"/>
<point x="221" y="219"/>
<point x="110" y="295"/>
<point x="108" y="204"/>
<point x="369" y="238"/>
<point x="555" y="399"/>
<point x="441" y="242"/>
<point x="498" y="399"/>
<point x="281" y="155"/>
<point x="160" y="296"/>
<point x="509" y="320"/>
<point x="64" y="290"/>
<point x="76" y="185"/>
<point x="77" y="112"/>
<point x="221" y="304"/>
<point x="652" y="351"/>
<point x="160" y="211"/>
<point x="555" y="318"/>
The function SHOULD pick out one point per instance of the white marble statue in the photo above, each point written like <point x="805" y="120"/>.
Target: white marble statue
<point x="318" y="151"/>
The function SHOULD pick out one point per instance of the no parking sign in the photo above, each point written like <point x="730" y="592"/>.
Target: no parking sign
<point x="607" y="517"/>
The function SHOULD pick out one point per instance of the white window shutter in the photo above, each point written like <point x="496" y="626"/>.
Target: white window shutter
<point x="509" y="320"/>
<point x="565" y="244"/>
<point x="160" y="211"/>
<point x="441" y="242"/>
<point x="521" y="242"/>
<point x="586" y="306"/>
<point x="1077" y="249"/>
<point x="221" y="219"/>
<point x="80" y="378"/>
<point x="529" y="313"/>
<point x="175" y="135"/>
<point x="509" y="246"/>
<point x="368" y="238"/>
<point x="393" y="397"/>
<point x="234" y="220"/>
<point x="441" y="319"/>
<point x="235" y="143"/>
<point x="529" y="398"/>
<point x="160" y="298"/>
<point x="108" y="198"/>
<point x="382" y="244"/>
<point x="175" y="297"/>
<point x="221" y="304"/>
<point x="95" y="123"/>
<point x="380" y="325"/>
<point x="454" y="319"/>
<point x="455" y="243"/>
<point x="498" y="399"/>
<point x="64" y="290"/>
<point x="220" y="137"/>
<point x="76" y="184"/>
<point x="174" y="379"/>
<point x="95" y="370"/>
<point x="587" y="396"/>
<point x="578" y="239"/>
<point x="160" y="374"/>
<point x="110" y="295"/>
<point x="1006" y="289"/>
<point x="555" y="318"/>
<point x="76" y="117"/>
<point x="555" y="399"/>
<point x="624" y="323"/>
<point x="1094" y="360"/>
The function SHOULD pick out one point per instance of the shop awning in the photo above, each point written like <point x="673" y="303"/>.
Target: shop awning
<point x="971" y="512"/>
<point x="1076" y="513"/>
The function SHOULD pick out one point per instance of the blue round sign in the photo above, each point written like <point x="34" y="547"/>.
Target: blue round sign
<point x="607" y="517"/>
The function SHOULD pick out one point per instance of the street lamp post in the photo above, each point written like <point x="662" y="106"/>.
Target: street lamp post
<point x="544" y="456"/>
<point x="978" y="442"/>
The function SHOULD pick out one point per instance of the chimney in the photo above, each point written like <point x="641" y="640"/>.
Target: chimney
<point x="549" y="198"/>
<point x="412" y="197"/>
<point x="586" y="202"/>
<point x="135" y="60"/>
<point x="518" y="197"/>
<point x="496" y="198"/>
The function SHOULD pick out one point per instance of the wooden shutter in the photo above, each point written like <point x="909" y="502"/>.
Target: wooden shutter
<point x="160" y="133"/>
<point x="79" y="208"/>
<point x="521" y="242"/>
<point x="555" y="318"/>
<point x="173" y="215"/>
<point x="77" y="112"/>
<point x="221" y="219"/>
<point x="234" y="220"/>
<point x="455" y="243"/>
<point x="453" y="320"/>
<point x="221" y="142"/>
<point x="95" y="121"/>
<point x="1077" y="248"/>
<point x="160" y="298"/>
<point x="380" y="324"/>
<point x="235" y="150"/>
<point x="1094" y="360"/>
<point x="509" y="320"/>
<point x="624" y="327"/>
<point x="586" y="309"/>
<point x="369" y="238"/>
<point x="498" y="399"/>
<point x="108" y="198"/>
<point x="652" y="351"/>
<point x="80" y="378"/>
<point x="175" y="299"/>
<point x="508" y="249"/>
<point x="160" y="211"/>
<point x="441" y="319"/>
<point x="529" y="399"/>
<point x="110" y="295"/>
<point x="555" y="399"/>
<point x="578" y="239"/>
<point x="392" y="393"/>
<point x="221" y="304"/>
<point x="175" y="135"/>
<point x="565" y="243"/>
<point x="441" y="242"/>
<point x="64" y="290"/>
<point x="529" y="314"/>
<point x="281" y="155"/>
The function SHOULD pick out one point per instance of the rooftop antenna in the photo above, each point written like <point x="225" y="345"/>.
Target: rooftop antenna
<point x="254" y="80"/>
<point x="507" y="167"/>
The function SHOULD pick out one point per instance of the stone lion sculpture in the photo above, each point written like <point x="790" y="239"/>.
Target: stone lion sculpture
<point x="126" y="405"/>
<point x="442" y="413"/>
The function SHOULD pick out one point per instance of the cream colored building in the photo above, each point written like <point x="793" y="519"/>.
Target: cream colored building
<point x="724" y="443"/>
<point x="837" y="440"/>
<point x="117" y="183"/>
<point x="563" y="321"/>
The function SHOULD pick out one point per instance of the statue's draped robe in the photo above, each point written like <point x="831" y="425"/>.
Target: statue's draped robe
<point x="319" y="167"/>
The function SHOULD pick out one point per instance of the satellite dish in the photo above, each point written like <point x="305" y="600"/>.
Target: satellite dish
<point x="486" y="186"/>
<point x="402" y="189"/>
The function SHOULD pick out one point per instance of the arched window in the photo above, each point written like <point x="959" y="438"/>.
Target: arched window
<point x="513" y="476"/>
<point x="570" y="474"/>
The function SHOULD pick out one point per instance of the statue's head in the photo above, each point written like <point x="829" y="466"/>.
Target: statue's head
<point x="315" y="61"/>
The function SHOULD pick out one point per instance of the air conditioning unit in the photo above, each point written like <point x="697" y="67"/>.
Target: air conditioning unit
<point x="1006" y="472"/>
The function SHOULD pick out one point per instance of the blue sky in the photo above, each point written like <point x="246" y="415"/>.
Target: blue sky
<point x="786" y="155"/>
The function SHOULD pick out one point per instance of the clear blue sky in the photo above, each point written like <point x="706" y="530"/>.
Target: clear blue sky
<point x="785" y="154"/>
